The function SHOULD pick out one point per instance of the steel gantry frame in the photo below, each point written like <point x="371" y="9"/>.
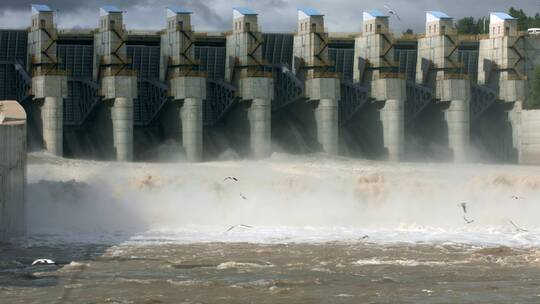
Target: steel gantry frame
<point x="220" y="98"/>
<point x="15" y="82"/>
<point x="287" y="87"/>
<point x="353" y="98"/>
<point x="220" y="95"/>
<point x="278" y="53"/>
<point x="482" y="98"/>
<point x="418" y="98"/>
<point x="83" y="96"/>
<point x="152" y="94"/>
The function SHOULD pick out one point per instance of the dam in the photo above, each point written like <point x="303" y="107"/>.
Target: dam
<point x="119" y="94"/>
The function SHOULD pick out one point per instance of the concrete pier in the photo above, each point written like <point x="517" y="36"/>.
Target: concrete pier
<point x="52" y="118"/>
<point x="12" y="169"/>
<point x="188" y="87"/>
<point x="322" y="87"/>
<point x="530" y="137"/>
<point x="391" y="115"/>
<point x="515" y="119"/>
<point x="49" y="84"/>
<point x="393" y="128"/>
<point x="457" y="118"/>
<point x="503" y="65"/>
<point x="438" y="67"/>
<point x="191" y="117"/>
<point x="245" y="69"/>
<point x="189" y="93"/>
<point x="326" y="116"/>
<point x="118" y="84"/>
<point x="375" y="46"/>
<point x="259" y="115"/>
<point x="122" y="122"/>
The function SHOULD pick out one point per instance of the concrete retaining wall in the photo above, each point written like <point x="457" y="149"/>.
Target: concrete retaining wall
<point x="530" y="137"/>
<point x="12" y="169"/>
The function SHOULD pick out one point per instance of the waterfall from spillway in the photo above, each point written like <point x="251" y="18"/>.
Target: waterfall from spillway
<point x="294" y="198"/>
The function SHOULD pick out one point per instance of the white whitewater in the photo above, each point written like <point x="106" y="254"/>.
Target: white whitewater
<point x="289" y="199"/>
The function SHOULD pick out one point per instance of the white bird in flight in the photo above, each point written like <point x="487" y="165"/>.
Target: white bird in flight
<point x="236" y="226"/>
<point x="43" y="262"/>
<point x="518" y="229"/>
<point x="392" y="12"/>
<point x="468" y="221"/>
<point x="464" y="207"/>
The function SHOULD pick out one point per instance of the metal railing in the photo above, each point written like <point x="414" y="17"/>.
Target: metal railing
<point x="482" y="98"/>
<point x="418" y="98"/>
<point x="220" y="97"/>
<point x="152" y="98"/>
<point x="16" y="80"/>
<point x="82" y="99"/>
<point x="287" y="87"/>
<point x="353" y="98"/>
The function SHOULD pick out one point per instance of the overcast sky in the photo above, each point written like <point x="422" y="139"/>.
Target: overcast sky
<point x="274" y="15"/>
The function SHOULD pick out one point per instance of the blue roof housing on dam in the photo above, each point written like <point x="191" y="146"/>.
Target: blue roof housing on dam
<point x="310" y="11"/>
<point x="245" y="10"/>
<point x="439" y="15"/>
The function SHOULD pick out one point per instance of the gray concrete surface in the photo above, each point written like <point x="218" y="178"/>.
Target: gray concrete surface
<point x="122" y="122"/>
<point x="12" y="169"/>
<point x="255" y="88"/>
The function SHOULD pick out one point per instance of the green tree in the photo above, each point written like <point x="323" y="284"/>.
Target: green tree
<point x="482" y="25"/>
<point x="467" y="25"/>
<point x="522" y="18"/>
<point x="533" y="102"/>
<point x="408" y="32"/>
<point x="471" y="26"/>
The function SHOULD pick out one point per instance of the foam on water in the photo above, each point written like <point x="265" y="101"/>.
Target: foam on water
<point x="484" y="236"/>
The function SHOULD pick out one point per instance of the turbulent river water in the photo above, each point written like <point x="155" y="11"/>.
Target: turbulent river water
<point x="315" y="230"/>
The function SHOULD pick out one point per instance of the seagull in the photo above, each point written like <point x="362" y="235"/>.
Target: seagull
<point x="519" y="229"/>
<point x="392" y="12"/>
<point x="44" y="262"/>
<point x="364" y="237"/>
<point x="284" y="70"/>
<point x="240" y="225"/>
<point x="517" y="197"/>
<point x="243" y="197"/>
<point x="231" y="178"/>
<point x="464" y="207"/>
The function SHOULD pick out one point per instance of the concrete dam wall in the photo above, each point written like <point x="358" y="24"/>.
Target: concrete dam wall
<point x="530" y="137"/>
<point x="112" y="93"/>
<point x="12" y="169"/>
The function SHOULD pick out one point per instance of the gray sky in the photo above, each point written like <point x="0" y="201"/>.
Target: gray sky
<point x="274" y="15"/>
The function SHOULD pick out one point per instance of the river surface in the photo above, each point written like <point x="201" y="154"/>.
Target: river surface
<point x="292" y="229"/>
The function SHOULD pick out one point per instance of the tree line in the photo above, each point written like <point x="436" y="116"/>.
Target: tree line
<point x="473" y="26"/>
<point x="477" y="26"/>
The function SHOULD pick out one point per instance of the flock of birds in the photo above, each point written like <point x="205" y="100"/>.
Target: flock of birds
<point x="49" y="262"/>
<point x="470" y="221"/>
<point x="242" y="196"/>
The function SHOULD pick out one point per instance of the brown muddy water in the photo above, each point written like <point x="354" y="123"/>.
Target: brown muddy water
<point x="274" y="273"/>
<point x="319" y="230"/>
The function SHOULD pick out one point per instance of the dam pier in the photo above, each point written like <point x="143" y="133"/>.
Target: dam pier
<point x="120" y="94"/>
